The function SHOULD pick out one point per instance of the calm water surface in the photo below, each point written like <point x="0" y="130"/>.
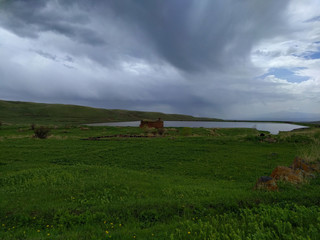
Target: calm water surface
<point x="273" y="128"/>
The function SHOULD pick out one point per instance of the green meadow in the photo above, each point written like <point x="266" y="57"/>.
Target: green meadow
<point x="184" y="184"/>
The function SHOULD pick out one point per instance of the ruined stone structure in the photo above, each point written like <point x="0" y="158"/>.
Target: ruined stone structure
<point x="151" y="124"/>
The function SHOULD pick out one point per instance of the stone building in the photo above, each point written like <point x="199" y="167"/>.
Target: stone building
<point x="151" y="124"/>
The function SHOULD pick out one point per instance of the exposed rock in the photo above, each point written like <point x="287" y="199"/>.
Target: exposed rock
<point x="298" y="172"/>
<point x="316" y="166"/>
<point x="265" y="179"/>
<point x="266" y="183"/>
<point x="287" y="174"/>
<point x="299" y="163"/>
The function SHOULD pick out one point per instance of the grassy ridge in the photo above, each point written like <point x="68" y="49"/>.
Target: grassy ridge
<point x="26" y="112"/>
<point x="194" y="184"/>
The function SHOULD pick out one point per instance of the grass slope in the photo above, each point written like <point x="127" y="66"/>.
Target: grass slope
<point x="194" y="184"/>
<point x="26" y="112"/>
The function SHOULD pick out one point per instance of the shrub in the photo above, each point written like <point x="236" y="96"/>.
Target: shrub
<point x="311" y="152"/>
<point x="316" y="135"/>
<point x="298" y="139"/>
<point x="186" y="131"/>
<point x="161" y="131"/>
<point x="41" y="132"/>
<point x="150" y="131"/>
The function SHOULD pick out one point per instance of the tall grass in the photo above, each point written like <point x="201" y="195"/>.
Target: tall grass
<point x="311" y="152"/>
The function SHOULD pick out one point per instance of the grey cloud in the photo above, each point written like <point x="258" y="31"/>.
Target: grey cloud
<point x="68" y="59"/>
<point x="198" y="35"/>
<point x="55" y="58"/>
<point x="203" y="45"/>
<point x="314" y="19"/>
<point x="46" y="55"/>
<point x="191" y="35"/>
<point x="68" y="66"/>
<point x="268" y="53"/>
<point x="30" y="18"/>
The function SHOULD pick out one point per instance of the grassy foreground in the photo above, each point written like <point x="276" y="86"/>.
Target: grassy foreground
<point x="187" y="184"/>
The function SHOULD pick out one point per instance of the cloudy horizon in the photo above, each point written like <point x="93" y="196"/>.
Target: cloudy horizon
<point x="221" y="59"/>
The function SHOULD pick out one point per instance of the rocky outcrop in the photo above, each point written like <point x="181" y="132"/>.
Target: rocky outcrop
<point x="299" y="163"/>
<point x="266" y="182"/>
<point x="299" y="171"/>
<point x="287" y="174"/>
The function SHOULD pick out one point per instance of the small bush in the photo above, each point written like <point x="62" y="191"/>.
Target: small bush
<point x="186" y="131"/>
<point x="311" y="152"/>
<point x="298" y="139"/>
<point x="41" y="132"/>
<point x="161" y="131"/>
<point x="316" y="135"/>
<point x="150" y="131"/>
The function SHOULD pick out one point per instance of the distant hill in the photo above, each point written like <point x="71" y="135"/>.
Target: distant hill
<point x="316" y="122"/>
<point x="41" y="113"/>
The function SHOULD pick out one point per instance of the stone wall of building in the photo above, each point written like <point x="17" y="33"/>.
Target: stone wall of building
<point x="152" y="124"/>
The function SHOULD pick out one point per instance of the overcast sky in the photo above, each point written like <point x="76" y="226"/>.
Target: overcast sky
<point x="228" y="59"/>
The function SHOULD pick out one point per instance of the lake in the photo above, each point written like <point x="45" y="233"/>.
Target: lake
<point x="273" y="128"/>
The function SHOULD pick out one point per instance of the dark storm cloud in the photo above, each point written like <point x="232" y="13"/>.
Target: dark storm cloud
<point x="191" y="35"/>
<point x="201" y="57"/>
<point x="30" y="18"/>
<point x="195" y="35"/>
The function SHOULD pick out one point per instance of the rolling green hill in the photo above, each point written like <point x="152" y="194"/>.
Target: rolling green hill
<point x="27" y="112"/>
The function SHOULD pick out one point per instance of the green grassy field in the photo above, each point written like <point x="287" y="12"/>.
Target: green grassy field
<point x="186" y="184"/>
